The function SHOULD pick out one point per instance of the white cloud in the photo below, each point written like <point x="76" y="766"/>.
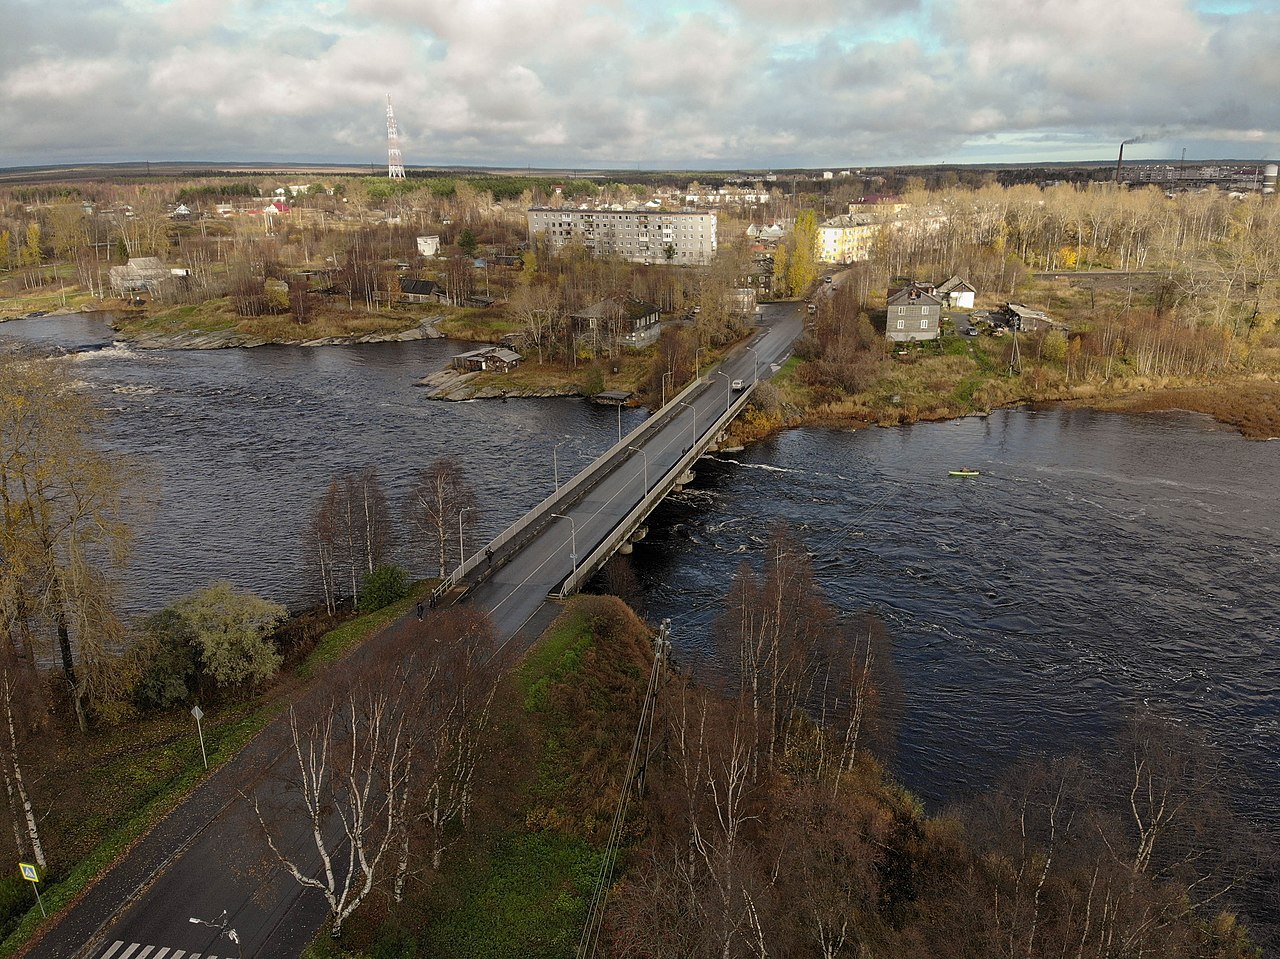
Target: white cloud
<point x="576" y="82"/>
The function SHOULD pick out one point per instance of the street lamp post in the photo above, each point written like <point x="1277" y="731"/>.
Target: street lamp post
<point x="462" y="552"/>
<point x="672" y="374"/>
<point x="694" y="431"/>
<point x="636" y="449"/>
<point x="697" y="369"/>
<point x="573" y="540"/>
<point x="755" y="377"/>
<point x="619" y="422"/>
<point x="555" y="462"/>
<point x="728" y="390"/>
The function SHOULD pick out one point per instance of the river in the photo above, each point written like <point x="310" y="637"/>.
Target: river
<point x="1100" y="561"/>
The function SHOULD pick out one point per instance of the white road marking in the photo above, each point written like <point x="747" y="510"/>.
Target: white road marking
<point x="149" y="952"/>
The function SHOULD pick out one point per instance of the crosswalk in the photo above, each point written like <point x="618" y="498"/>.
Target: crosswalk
<point x="136" y="950"/>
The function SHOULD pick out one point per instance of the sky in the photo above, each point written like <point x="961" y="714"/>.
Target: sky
<point x="639" y="84"/>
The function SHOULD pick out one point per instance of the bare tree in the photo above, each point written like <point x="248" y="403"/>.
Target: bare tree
<point x="350" y="786"/>
<point x="436" y="510"/>
<point x="349" y="533"/>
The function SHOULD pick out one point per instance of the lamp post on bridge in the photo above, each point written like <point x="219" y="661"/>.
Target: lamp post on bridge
<point x="462" y="550"/>
<point x="672" y="374"/>
<point x="555" y="463"/>
<point x="697" y="368"/>
<point x="636" y="449"/>
<point x="573" y="539"/>
<point x="694" y="432"/>
<point x="755" y="376"/>
<point x="728" y="390"/>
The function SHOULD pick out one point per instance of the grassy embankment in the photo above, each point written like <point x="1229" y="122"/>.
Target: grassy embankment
<point x="112" y="786"/>
<point x="517" y="883"/>
<point x="963" y="376"/>
<point x="60" y="293"/>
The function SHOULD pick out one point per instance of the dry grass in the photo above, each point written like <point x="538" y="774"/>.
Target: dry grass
<point x="1251" y="407"/>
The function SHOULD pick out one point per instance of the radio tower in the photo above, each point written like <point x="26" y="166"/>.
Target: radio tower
<point x="395" y="164"/>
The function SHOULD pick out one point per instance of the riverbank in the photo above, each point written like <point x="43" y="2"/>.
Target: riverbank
<point x="1249" y="405"/>
<point x="959" y="377"/>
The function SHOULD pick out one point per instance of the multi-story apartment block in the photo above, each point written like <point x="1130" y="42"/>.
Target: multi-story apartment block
<point x="846" y="239"/>
<point x="687" y="237"/>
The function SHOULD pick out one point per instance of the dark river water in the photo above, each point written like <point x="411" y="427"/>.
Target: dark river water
<point x="1100" y="561"/>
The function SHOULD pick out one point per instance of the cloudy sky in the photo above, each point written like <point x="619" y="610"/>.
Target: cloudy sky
<point x="649" y="83"/>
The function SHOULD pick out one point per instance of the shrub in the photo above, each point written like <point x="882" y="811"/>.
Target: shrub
<point x="384" y="586"/>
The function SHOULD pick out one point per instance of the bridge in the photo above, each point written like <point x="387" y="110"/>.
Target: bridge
<point x="555" y="547"/>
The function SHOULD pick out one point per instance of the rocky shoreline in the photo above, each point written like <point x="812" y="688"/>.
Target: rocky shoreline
<point x="228" y="339"/>
<point x="455" y="386"/>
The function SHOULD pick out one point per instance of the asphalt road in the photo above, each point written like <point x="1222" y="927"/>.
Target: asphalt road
<point x="209" y="861"/>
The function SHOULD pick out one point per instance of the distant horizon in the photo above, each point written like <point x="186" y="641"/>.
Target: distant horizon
<point x="376" y="169"/>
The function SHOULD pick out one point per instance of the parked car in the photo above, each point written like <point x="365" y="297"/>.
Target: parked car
<point x="813" y="308"/>
<point x="826" y="279"/>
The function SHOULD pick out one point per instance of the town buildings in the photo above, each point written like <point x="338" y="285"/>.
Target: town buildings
<point x="683" y="238"/>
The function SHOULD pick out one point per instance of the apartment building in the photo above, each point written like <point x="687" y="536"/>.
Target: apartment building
<point x="849" y="238"/>
<point x="685" y="238"/>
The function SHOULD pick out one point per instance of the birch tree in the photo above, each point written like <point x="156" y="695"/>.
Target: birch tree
<point x="439" y="509"/>
<point x="26" y="830"/>
<point x="349" y="786"/>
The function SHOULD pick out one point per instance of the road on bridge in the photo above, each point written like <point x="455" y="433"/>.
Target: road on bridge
<point x="515" y="595"/>
<point x="207" y="860"/>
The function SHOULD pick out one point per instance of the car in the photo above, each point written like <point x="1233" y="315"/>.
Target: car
<point x="826" y="279"/>
<point x="971" y="331"/>
<point x="738" y="386"/>
<point x="813" y="308"/>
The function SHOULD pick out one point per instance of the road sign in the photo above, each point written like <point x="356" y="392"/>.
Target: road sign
<point x="32" y="875"/>
<point x="198" y="713"/>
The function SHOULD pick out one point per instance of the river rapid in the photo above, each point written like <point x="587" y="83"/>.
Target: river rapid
<point x="1100" y="561"/>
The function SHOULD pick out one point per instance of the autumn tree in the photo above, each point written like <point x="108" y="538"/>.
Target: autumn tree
<point x="65" y="535"/>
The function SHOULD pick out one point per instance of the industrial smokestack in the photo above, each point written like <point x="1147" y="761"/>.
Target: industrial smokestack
<point x="1120" y="160"/>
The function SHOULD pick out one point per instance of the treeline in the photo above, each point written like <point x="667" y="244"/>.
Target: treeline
<point x="773" y="831"/>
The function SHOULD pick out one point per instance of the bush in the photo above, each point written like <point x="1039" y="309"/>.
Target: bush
<point x="230" y="631"/>
<point x="384" y="586"/>
<point x="170" y="664"/>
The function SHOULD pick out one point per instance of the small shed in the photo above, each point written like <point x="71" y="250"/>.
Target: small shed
<point x="495" y="359"/>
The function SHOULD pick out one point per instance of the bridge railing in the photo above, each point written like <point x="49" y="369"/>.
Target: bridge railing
<point x="567" y="493"/>
<point x="655" y="494"/>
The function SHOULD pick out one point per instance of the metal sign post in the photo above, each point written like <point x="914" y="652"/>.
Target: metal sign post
<point x="198" y="713"/>
<point x="32" y="875"/>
